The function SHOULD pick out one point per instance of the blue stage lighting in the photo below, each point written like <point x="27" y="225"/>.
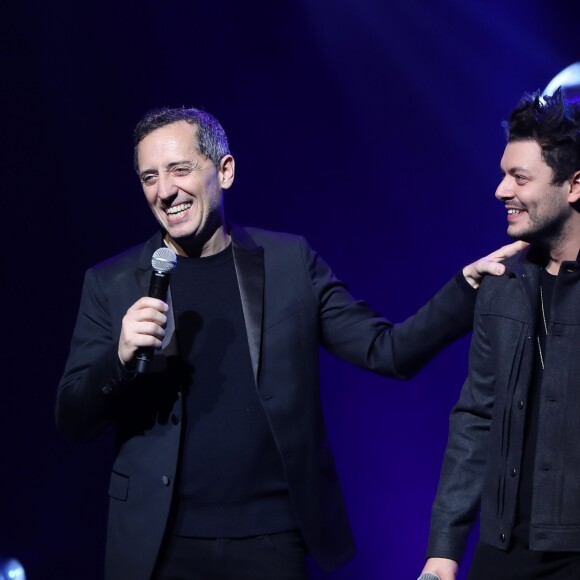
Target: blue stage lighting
<point x="11" y="569"/>
<point x="569" y="80"/>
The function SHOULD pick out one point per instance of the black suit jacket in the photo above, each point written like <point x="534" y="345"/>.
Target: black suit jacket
<point x="292" y="303"/>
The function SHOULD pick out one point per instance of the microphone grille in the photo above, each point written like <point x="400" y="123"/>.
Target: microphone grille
<point x="163" y="260"/>
<point x="428" y="576"/>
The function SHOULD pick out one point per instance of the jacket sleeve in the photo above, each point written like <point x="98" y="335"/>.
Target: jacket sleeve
<point x="352" y="331"/>
<point x="93" y="378"/>
<point x="462" y="476"/>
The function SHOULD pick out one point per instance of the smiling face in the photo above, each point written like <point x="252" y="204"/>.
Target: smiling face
<point x="184" y="189"/>
<point x="537" y="209"/>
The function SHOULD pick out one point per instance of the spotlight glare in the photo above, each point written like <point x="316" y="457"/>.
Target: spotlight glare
<point x="11" y="569"/>
<point x="569" y="80"/>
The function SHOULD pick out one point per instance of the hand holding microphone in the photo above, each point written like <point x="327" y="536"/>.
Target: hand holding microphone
<point x="439" y="569"/>
<point x="143" y="325"/>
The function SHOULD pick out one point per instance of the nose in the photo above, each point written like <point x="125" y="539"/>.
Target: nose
<point x="504" y="190"/>
<point x="166" y="188"/>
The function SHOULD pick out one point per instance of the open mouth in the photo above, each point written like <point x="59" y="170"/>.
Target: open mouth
<point x="178" y="211"/>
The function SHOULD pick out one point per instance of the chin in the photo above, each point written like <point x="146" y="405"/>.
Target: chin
<point x="526" y="236"/>
<point x="518" y="234"/>
<point x="181" y="232"/>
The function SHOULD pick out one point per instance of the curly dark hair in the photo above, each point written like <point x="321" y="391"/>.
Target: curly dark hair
<point x="212" y="141"/>
<point x="554" y="124"/>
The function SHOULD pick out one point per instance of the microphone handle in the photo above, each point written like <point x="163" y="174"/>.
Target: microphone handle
<point x="159" y="285"/>
<point x="158" y="288"/>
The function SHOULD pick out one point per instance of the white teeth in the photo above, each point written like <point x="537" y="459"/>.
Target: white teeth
<point x="513" y="211"/>
<point x="177" y="208"/>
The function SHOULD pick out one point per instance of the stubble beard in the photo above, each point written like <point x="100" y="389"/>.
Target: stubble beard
<point x="546" y="228"/>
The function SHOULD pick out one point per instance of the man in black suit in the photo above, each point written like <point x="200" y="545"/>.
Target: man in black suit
<point x="223" y="469"/>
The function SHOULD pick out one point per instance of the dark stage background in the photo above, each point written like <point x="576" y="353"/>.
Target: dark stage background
<point x="372" y="128"/>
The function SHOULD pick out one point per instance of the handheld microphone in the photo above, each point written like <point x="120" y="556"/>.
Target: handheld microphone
<point x="163" y="262"/>
<point x="428" y="576"/>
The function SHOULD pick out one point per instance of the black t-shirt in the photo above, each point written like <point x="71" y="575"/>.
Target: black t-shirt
<point x="232" y="481"/>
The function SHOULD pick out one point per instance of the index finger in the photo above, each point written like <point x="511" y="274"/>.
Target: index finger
<point x="149" y="302"/>
<point x="507" y="251"/>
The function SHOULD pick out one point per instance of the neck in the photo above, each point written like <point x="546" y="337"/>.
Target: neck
<point x="560" y="240"/>
<point x="566" y="249"/>
<point x="196" y="248"/>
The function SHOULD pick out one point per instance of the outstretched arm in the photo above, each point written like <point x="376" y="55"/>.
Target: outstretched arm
<point x="350" y="330"/>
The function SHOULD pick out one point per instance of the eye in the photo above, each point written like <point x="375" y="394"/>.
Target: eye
<point x="520" y="179"/>
<point x="149" y="179"/>
<point x="181" y="170"/>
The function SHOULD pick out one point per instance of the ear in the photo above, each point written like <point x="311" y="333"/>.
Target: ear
<point x="226" y="171"/>
<point x="574" y="192"/>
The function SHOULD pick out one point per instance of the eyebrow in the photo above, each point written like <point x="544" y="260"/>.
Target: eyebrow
<point x="175" y="163"/>
<point x="168" y="167"/>
<point x="515" y="169"/>
<point x="146" y="172"/>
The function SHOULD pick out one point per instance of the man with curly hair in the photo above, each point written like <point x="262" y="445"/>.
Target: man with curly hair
<point x="513" y="446"/>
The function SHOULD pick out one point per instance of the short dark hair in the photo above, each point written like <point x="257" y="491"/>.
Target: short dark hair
<point x="212" y="141"/>
<point x="554" y="124"/>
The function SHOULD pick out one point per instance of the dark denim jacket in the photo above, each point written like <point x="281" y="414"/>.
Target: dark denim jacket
<point x="483" y="457"/>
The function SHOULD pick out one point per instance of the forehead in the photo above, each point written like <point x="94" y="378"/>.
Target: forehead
<point x="524" y="155"/>
<point x="170" y="143"/>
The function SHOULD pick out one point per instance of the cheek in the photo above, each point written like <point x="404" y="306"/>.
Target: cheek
<point x="213" y="194"/>
<point x="150" y="197"/>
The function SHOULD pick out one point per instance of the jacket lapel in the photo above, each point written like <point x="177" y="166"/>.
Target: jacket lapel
<point x="527" y="270"/>
<point x="249" y="264"/>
